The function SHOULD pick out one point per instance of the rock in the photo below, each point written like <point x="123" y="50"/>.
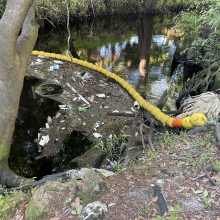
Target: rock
<point x="94" y="211"/>
<point x="87" y="184"/>
<point x="94" y="157"/>
<point x="80" y="174"/>
<point x="49" y="197"/>
<point x="92" y="187"/>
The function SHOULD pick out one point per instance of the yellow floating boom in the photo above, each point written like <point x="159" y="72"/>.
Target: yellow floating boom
<point x="197" y="119"/>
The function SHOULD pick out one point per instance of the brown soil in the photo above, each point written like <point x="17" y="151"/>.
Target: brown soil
<point x="177" y="165"/>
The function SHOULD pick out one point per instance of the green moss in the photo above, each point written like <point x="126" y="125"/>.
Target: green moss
<point x="11" y="202"/>
<point x="95" y="187"/>
<point x="34" y="213"/>
<point x="4" y="151"/>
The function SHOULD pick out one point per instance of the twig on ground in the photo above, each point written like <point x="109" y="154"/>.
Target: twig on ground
<point x="208" y="176"/>
<point x="141" y="133"/>
<point x="198" y="129"/>
<point x="217" y="132"/>
<point x="150" y="135"/>
<point x="130" y="152"/>
<point x="120" y="114"/>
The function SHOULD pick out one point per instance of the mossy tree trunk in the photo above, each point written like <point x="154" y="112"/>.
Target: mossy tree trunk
<point x="17" y="38"/>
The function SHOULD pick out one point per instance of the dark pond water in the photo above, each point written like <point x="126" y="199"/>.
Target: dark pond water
<point x="136" y="48"/>
<point x="32" y="115"/>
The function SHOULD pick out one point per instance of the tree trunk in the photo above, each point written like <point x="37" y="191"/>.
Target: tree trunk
<point x="17" y="38"/>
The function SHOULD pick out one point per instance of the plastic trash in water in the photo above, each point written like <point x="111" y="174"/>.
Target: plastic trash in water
<point x="102" y="95"/>
<point x="47" y="126"/>
<point x="49" y="120"/>
<point x="41" y="57"/>
<point x="58" y="61"/>
<point x="64" y="107"/>
<point x="77" y="73"/>
<point x="54" y="67"/>
<point x="115" y="111"/>
<point x="136" y="105"/>
<point x="73" y="79"/>
<point x="86" y="76"/>
<point x="97" y="135"/>
<point x="97" y="124"/>
<point x="91" y="99"/>
<point x="57" y="115"/>
<point x="81" y="109"/>
<point x="44" y="140"/>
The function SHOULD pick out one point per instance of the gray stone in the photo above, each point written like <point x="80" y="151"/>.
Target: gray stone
<point x="94" y="211"/>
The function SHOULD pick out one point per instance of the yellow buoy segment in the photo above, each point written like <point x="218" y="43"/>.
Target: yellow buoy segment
<point x="197" y="119"/>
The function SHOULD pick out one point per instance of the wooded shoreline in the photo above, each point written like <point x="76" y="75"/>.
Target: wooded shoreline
<point x="56" y="10"/>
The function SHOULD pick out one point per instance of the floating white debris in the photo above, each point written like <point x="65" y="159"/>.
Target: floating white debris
<point x="86" y="76"/>
<point x="54" y="67"/>
<point x="38" y="136"/>
<point x="44" y="140"/>
<point x="64" y="107"/>
<point x="115" y="111"/>
<point x="136" y="105"/>
<point x="39" y="60"/>
<point x="57" y="115"/>
<point x="102" y="95"/>
<point x="58" y="61"/>
<point x="47" y="126"/>
<point x="97" y="135"/>
<point x="49" y="120"/>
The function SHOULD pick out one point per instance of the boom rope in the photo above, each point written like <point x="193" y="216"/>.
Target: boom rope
<point x="197" y="119"/>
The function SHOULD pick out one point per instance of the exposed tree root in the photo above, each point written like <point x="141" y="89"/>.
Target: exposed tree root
<point x="9" y="179"/>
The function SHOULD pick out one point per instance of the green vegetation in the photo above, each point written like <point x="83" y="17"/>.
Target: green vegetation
<point x="174" y="216"/>
<point x="195" y="22"/>
<point x="114" y="146"/>
<point x="78" y="211"/>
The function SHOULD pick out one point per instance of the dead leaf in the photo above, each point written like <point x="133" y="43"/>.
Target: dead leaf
<point x="208" y="145"/>
<point x="77" y="202"/>
<point x="181" y="190"/>
<point x="187" y="188"/>
<point x="216" y="177"/>
<point x="140" y="218"/>
<point x="154" y="199"/>
<point x="218" y="218"/>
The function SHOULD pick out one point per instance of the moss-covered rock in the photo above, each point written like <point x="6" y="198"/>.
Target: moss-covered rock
<point x="93" y="186"/>
<point x="52" y="194"/>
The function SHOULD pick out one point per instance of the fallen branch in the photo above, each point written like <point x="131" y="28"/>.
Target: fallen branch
<point x="198" y="129"/>
<point x="120" y="114"/>
<point x="217" y="132"/>
<point x="54" y="177"/>
<point x="208" y="176"/>
<point x="150" y="135"/>
<point x="130" y="152"/>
